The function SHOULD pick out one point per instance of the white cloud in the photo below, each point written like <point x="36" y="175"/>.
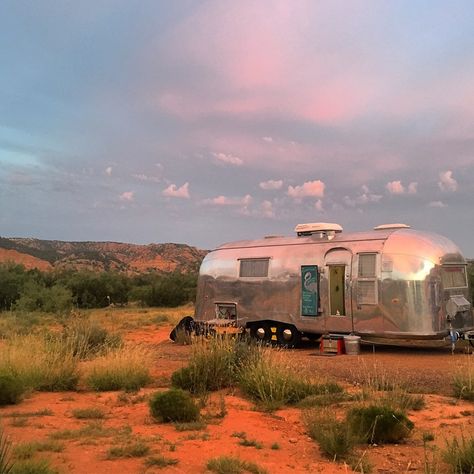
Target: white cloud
<point x="395" y="187"/>
<point x="108" y="171"/>
<point x="447" y="182"/>
<point x="127" y="196"/>
<point x="412" y="188"/>
<point x="267" y="139"/>
<point x="173" y="191"/>
<point x="439" y="204"/>
<point x="228" y="158"/>
<point x="308" y="189"/>
<point x="271" y="184"/>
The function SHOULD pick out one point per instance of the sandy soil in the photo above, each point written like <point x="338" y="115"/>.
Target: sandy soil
<point x="427" y="372"/>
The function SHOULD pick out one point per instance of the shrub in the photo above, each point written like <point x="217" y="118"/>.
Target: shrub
<point x="173" y="405"/>
<point x="11" y="389"/>
<point x="459" y="454"/>
<point x="160" y="461"/>
<point x="379" y="424"/>
<point x="126" y="368"/>
<point x="334" y="437"/>
<point x="230" y="465"/>
<point x="88" y="413"/>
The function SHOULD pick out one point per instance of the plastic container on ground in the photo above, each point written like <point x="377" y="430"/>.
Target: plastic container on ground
<point x="352" y="345"/>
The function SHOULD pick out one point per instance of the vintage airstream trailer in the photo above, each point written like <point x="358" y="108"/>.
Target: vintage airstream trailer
<point x="388" y="285"/>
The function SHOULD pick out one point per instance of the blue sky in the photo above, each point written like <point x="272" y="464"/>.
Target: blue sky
<point x="207" y="121"/>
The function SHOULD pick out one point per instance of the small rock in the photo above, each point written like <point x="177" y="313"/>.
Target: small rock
<point x="292" y="440"/>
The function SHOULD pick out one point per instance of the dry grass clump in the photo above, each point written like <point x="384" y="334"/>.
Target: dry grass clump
<point x="233" y="465"/>
<point x="135" y="449"/>
<point x="123" y="368"/>
<point x="463" y="379"/>
<point x="88" y="413"/>
<point x="6" y="463"/>
<point x="459" y="454"/>
<point x="39" y="362"/>
<point x="334" y="437"/>
<point x="272" y="380"/>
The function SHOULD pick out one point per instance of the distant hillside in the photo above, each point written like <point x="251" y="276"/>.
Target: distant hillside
<point x="100" y="256"/>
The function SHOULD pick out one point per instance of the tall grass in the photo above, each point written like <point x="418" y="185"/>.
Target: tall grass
<point x="123" y="368"/>
<point x="272" y="380"/>
<point x="40" y="363"/>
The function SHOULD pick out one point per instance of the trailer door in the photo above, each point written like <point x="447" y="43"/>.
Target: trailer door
<point x="338" y="301"/>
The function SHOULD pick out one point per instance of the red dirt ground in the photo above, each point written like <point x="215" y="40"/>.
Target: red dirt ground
<point x="427" y="371"/>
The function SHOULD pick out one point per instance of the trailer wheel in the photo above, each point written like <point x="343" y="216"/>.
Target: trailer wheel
<point x="288" y="335"/>
<point x="261" y="332"/>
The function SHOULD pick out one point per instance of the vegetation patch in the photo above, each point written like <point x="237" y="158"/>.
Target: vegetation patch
<point x="174" y="405"/>
<point x="379" y="424"/>
<point x="191" y="426"/>
<point x="5" y="453"/>
<point x="463" y="380"/>
<point x="233" y="465"/>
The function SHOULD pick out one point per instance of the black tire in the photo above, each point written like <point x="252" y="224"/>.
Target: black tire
<point x="288" y="335"/>
<point x="261" y="332"/>
<point x="187" y="323"/>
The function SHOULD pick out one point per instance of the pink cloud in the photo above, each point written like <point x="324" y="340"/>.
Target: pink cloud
<point x="308" y="189"/>
<point x="229" y="201"/>
<point x="173" y="191"/>
<point x="395" y="187"/>
<point x="228" y="159"/>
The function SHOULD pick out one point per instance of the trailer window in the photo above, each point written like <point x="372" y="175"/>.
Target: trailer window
<point x="253" y="267"/>
<point x="367" y="279"/>
<point x="453" y="276"/>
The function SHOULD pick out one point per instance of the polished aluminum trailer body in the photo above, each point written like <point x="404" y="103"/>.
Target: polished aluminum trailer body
<point x="391" y="283"/>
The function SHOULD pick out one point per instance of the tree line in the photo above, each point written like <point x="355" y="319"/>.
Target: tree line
<point x="59" y="291"/>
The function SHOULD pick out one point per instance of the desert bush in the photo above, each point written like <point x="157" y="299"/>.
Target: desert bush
<point x="29" y="449"/>
<point x="160" y="461"/>
<point x="335" y="438"/>
<point x="459" y="454"/>
<point x="11" y="389"/>
<point x="232" y="465"/>
<point x="174" y="405"/>
<point x="5" y="454"/>
<point x="272" y="381"/>
<point x="124" y="368"/>
<point x="379" y="424"/>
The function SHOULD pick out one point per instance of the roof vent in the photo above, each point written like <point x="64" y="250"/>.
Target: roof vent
<point x="391" y="226"/>
<point x="322" y="229"/>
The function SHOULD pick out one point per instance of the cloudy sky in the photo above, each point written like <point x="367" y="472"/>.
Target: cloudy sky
<point x="207" y="121"/>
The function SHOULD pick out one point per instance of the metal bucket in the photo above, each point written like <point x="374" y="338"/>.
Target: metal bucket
<point x="352" y="345"/>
